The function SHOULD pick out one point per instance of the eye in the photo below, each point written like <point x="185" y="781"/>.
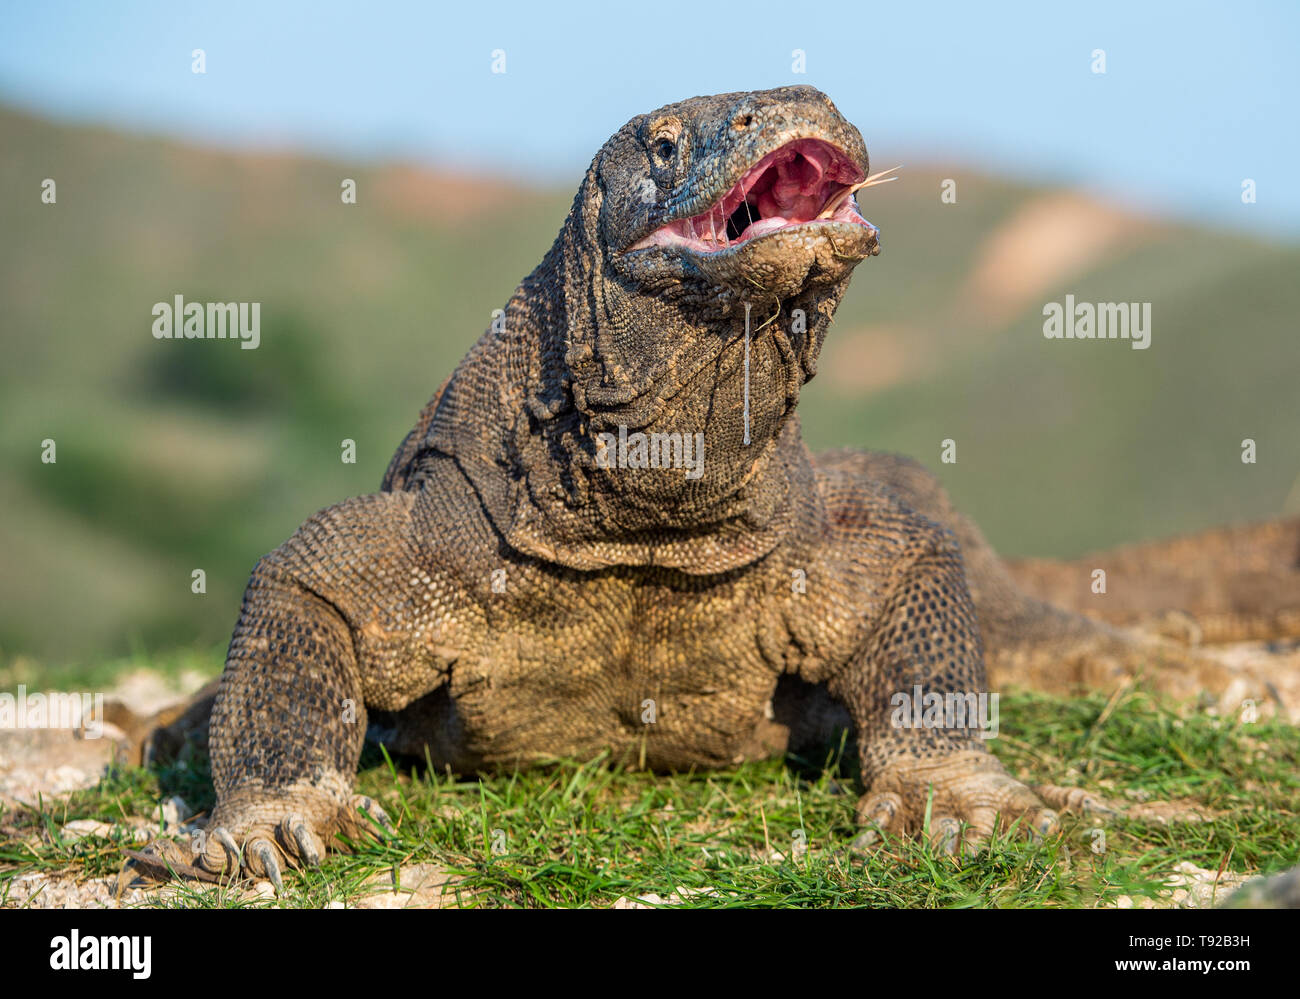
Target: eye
<point x="665" y="149"/>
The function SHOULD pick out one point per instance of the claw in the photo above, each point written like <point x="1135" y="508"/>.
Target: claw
<point x="231" y="859"/>
<point x="368" y="806"/>
<point x="1047" y="823"/>
<point x="943" y="834"/>
<point x="878" y="813"/>
<point x="302" y="837"/>
<point x="264" y="853"/>
<point x="880" y="810"/>
<point x="1074" y="799"/>
<point x="865" y="841"/>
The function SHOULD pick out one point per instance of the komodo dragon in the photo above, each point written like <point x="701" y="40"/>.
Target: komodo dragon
<point x="535" y="580"/>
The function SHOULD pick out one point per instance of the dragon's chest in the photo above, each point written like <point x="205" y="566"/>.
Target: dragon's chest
<point x="656" y="673"/>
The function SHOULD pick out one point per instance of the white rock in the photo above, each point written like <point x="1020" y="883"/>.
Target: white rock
<point x="174" y="812"/>
<point x="81" y="828"/>
<point x="67" y="778"/>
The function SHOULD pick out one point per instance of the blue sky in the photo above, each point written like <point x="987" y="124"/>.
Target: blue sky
<point x="1195" y="97"/>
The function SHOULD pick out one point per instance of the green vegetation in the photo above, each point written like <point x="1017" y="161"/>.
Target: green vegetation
<point x="585" y="835"/>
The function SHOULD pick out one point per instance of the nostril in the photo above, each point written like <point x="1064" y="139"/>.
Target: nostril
<point x="744" y="120"/>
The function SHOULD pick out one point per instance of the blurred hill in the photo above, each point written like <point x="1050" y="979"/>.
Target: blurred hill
<point x="175" y="456"/>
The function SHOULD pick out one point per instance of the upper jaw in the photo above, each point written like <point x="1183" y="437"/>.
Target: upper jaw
<point x="804" y="182"/>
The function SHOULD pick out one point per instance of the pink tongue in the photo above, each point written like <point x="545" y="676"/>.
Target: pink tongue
<point x="765" y="225"/>
<point x="797" y="192"/>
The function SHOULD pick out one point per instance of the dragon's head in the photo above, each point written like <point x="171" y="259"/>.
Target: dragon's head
<point x="747" y="195"/>
<point x="692" y="221"/>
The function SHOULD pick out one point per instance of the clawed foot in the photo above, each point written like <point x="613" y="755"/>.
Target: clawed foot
<point x="249" y="838"/>
<point x="968" y="796"/>
<point x="1081" y="802"/>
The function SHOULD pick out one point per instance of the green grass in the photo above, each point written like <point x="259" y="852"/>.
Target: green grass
<point x="585" y="835"/>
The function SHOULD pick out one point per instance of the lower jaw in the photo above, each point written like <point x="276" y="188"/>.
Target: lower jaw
<point x="782" y="264"/>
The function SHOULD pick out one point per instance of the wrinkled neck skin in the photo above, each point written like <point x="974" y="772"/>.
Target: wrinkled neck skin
<point x="590" y="348"/>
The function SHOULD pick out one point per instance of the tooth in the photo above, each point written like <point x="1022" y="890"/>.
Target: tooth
<point x="876" y="178"/>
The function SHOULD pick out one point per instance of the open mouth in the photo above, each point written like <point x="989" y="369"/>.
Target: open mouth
<point x="805" y="181"/>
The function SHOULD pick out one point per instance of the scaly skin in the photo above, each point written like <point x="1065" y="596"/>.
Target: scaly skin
<point x="1232" y="584"/>
<point x="507" y="599"/>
